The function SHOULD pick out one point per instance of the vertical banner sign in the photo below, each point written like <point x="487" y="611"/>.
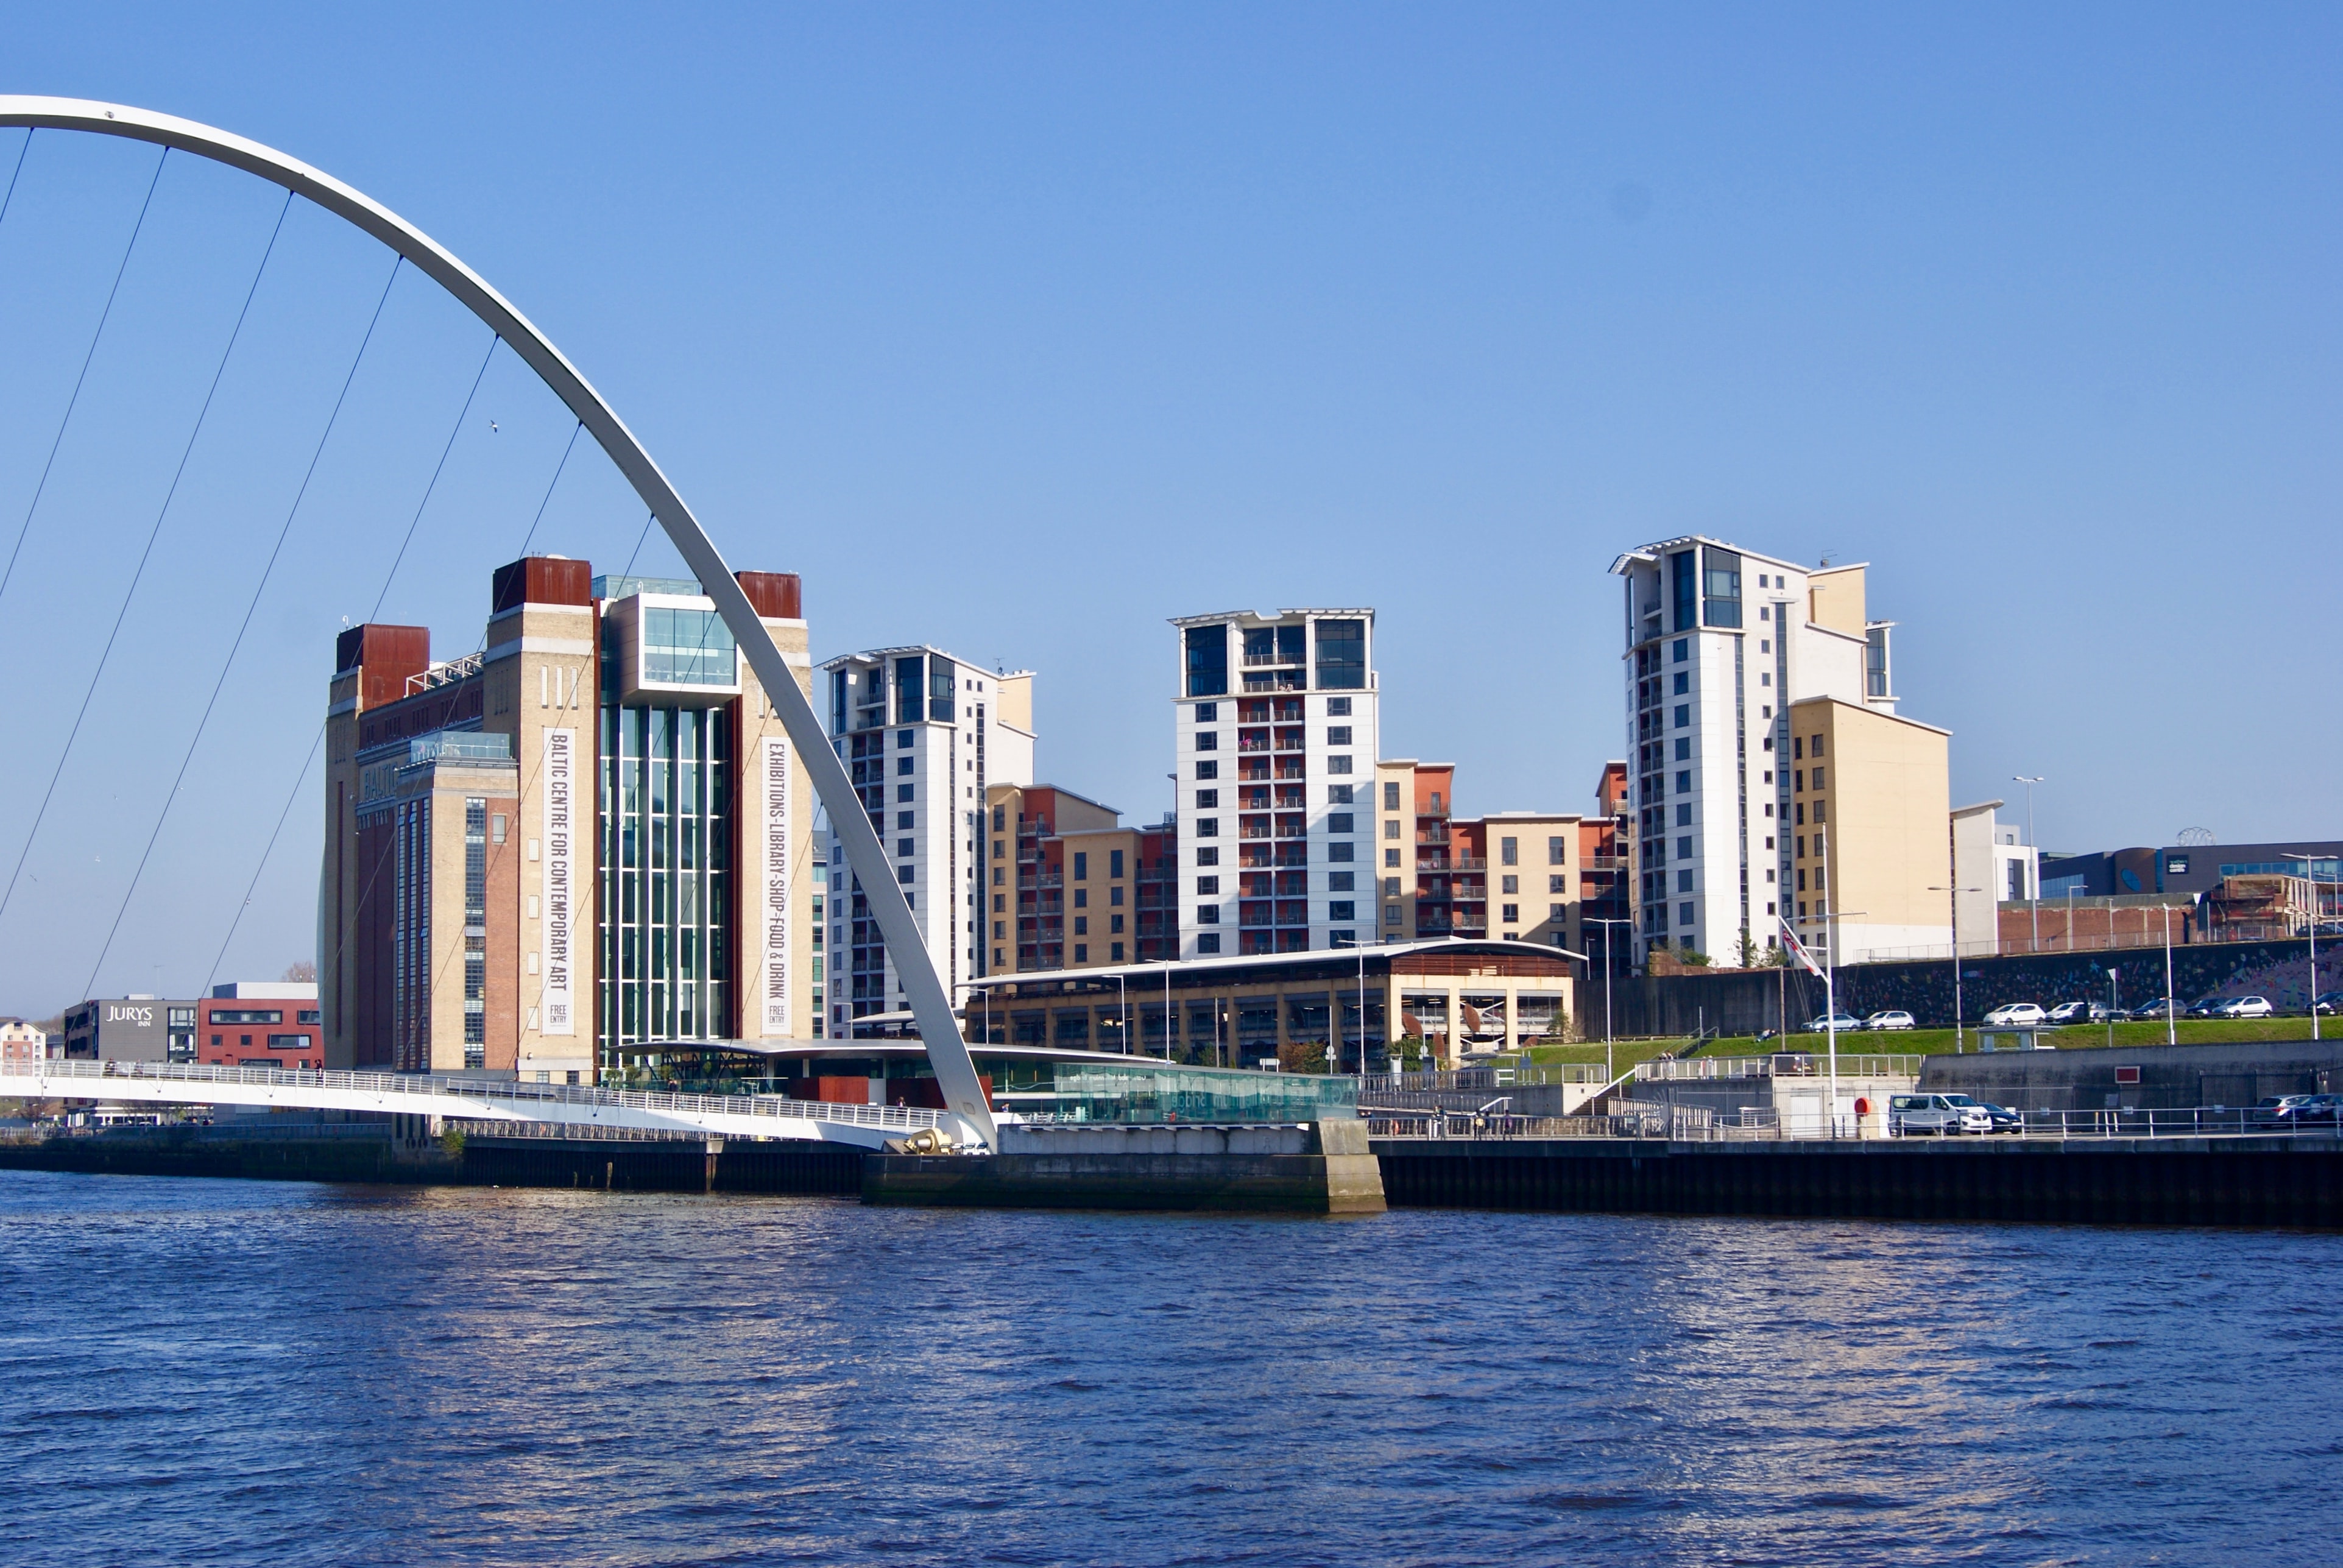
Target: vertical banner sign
<point x="560" y="760"/>
<point x="773" y="873"/>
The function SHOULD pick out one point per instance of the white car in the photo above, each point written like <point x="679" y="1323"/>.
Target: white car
<point x="2015" y="1015"/>
<point x="2246" y="1007"/>
<point x="1824" y="1023"/>
<point x="1893" y="1018"/>
<point x="1944" y="1115"/>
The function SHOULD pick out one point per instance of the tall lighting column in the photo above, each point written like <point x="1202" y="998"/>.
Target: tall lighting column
<point x="2034" y="877"/>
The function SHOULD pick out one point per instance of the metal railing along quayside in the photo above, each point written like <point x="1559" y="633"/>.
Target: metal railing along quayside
<point x="96" y="1074"/>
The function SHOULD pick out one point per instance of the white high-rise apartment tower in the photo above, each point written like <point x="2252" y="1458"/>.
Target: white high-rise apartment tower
<point x="1276" y="735"/>
<point x="923" y="735"/>
<point x="1721" y="643"/>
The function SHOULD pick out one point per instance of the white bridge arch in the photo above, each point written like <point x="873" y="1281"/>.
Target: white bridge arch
<point x="955" y="1070"/>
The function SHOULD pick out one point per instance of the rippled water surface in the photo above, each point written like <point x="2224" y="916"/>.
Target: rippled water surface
<point x="253" y="1372"/>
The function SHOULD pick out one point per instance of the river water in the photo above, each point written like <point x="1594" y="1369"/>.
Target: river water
<point x="220" y="1371"/>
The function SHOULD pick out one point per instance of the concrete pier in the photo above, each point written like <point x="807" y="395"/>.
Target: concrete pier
<point x="1326" y="1168"/>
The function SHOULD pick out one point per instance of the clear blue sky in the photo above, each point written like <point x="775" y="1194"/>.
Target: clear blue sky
<point x="1019" y="330"/>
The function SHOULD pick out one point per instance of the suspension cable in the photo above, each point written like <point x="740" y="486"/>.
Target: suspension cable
<point x="391" y="575"/>
<point x="19" y="169"/>
<point x="318" y="739"/>
<point x="244" y="626"/>
<point x="575" y="431"/>
<point x="153" y="534"/>
<point x="8" y="574"/>
<point x="250" y="887"/>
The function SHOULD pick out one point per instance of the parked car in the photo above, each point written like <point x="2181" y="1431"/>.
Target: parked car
<point x="2327" y="1001"/>
<point x="2205" y="1006"/>
<point x="1943" y="1115"/>
<point x="1844" y="1023"/>
<point x="2016" y="1014"/>
<point x="2004" y="1119"/>
<point x="1892" y="1018"/>
<point x="2271" y="1110"/>
<point x="2069" y="1013"/>
<point x="2311" y="1110"/>
<point x="2246" y="1007"/>
<point x="2155" y="1009"/>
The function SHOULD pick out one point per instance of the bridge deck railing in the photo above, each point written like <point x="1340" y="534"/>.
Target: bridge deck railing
<point x="485" y="1091"/>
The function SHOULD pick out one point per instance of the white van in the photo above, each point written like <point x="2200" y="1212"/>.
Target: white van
<point x="1945" y="1116"/>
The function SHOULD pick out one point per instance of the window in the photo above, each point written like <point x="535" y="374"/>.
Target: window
<point x="1207" y="713"/>
<point x="1341" y="655"/>
<point x="1512" y="885"/>
<point x="1819" y="817"/>
<point x="1340" y="909"/>
<point x="906" y="873"/>
<point x="1721" y="586"/>
<point x="1391" y="796"/>
<point x="1081" y="925"/>
<point x="1339" y="763"/>
<point x="1208" y="942"/>
<point x="1391" y="915"/>
<point x="1208" y="856"/>
<point x="904" y="739"/>
<point x="1207" y="649"/>
<point x="1684" y="586"/>
<point x="1207" y="740"/>
<point x="1554" y="911"/>
<point x="905" y="820"/>
<point x="1338" y="735"/>
<point x="1208" y="887"/>
<point x="1819" y="778"/>
<point x="1683" y="781"/>
<point x="1391" y="887"/>
<point x="1118" y="949"/>
<point x="1683" y="748"/>
<point x="906" y="847"/>
<point x="1338" y="794"/>
<point x="1682" y="682"/>
<point x="1207" y="828"/>
<point x="1555" y="853"/>
<point x="1391" y="857"/>
<point x="1818" y="745"/>
<point x="1208" y="800"/>
<point x="1081" y="866"/>
<point x="1338" y="822"/>
<point x="1115" y="864"/>
<point x="1684" y="917"/>
<point x="1512" y="914"/>
<point x="1684" y="714"/>
<point x="1683" y="847"/>
<point x="1339" y="849"/>
<point x="999" y="818"/>
<point x="1797" y="746"/>
<point x="1207" y="914"/>
<point x="1390" y="827"/>
<point x="1509" y="851"/>
<point x="1681" y="650"/>
<point x="1683" y="814"/>
<point x="1338" y="708"/>
<point x="1683" y="881"/>
<point x="1082" y="952"/>
<point x="1208" y="771"/>
<point x="1557" y="884"/>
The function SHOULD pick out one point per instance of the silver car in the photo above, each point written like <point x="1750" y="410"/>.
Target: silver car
<point x="1943" y="1115"/>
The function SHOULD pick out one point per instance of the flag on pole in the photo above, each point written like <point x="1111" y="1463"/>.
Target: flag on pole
<point x="1797" y="949"/>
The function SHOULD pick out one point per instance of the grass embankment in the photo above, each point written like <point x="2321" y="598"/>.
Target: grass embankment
<point x="1939" y="1042"/>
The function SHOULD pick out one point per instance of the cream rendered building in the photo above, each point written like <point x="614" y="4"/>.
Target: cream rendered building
<point x="1870" y="832"/>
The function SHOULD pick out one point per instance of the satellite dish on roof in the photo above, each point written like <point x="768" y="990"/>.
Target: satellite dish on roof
<point x="2196" y="837"/>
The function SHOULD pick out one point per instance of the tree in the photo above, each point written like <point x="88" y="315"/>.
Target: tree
<point x="1694" y="960"/>
<point x="305" y="969"/>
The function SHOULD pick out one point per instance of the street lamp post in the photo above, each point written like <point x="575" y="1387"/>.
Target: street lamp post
<point x="1608" y="974"/>
<point x="1831" y="917"/>
<point x="2307" y="877"/>
<point x="2034" y="873"/>
<point x="1957" y="893"/>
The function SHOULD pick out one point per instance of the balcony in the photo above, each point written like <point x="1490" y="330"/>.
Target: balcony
<point x="1468" y="863"/>
<point x="1431" y="835"/>
<point x="1295" y="770"/>
<point x="1251" y="831"/>
<point x="1042" y="879"/>
<point x="1258" y="769"/>
<point x="1593" y="863"/>
<point x="1270" y="661"/>
<point x="1435" y="809"/>
<point x="1276" y="681"/>
<point x="1293" y="855"/>
<point x="1245" y="744"/>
